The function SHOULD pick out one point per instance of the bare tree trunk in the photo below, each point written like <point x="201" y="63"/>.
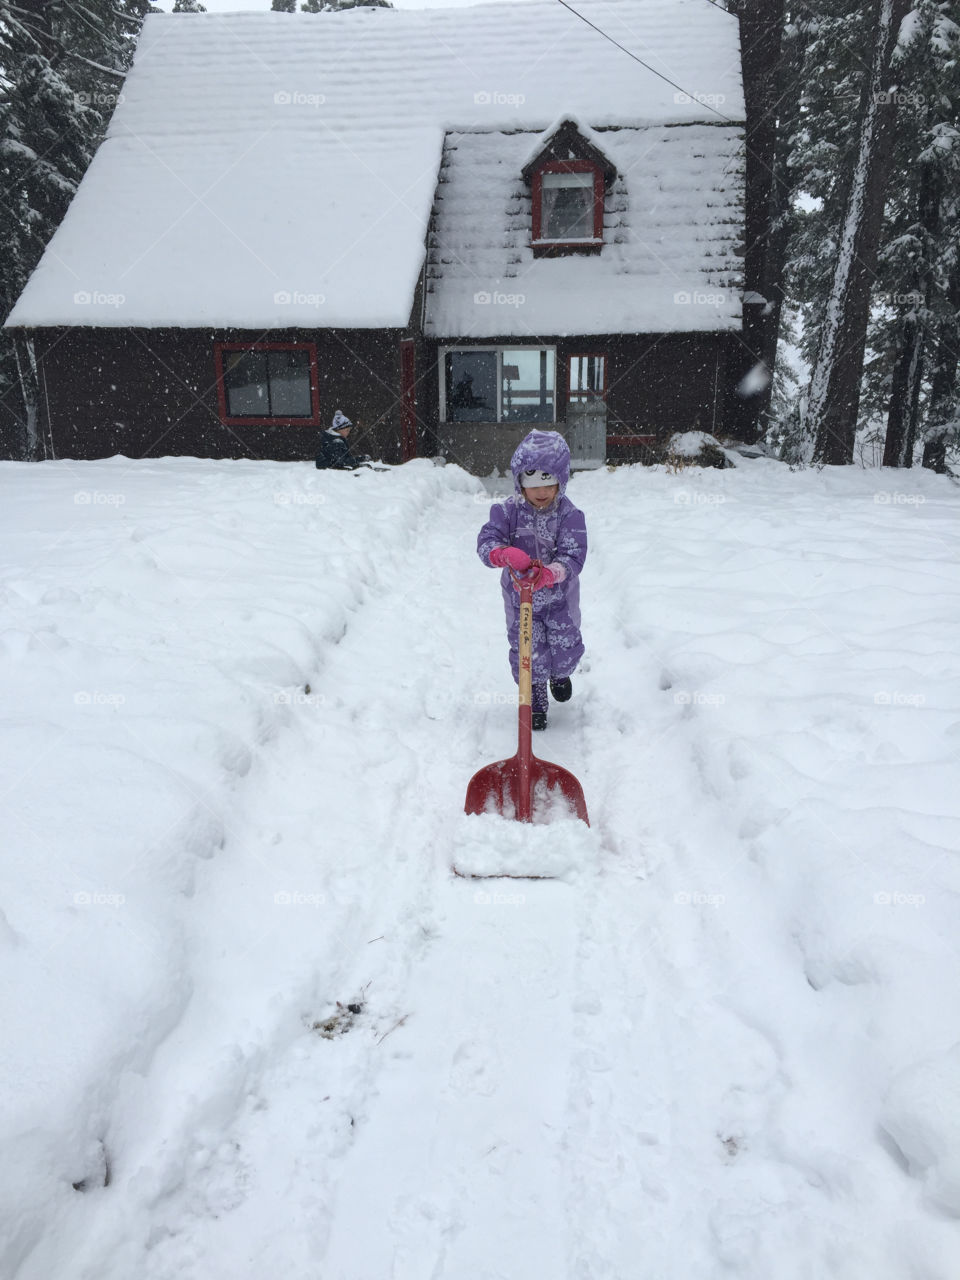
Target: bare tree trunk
<point x="29" y="391"/>
<point x="903" y="413"/>
<point x="943" y="410"/>
<point x="761" y="39"/>
<point x="904" y="404"/>
<point x="834" y="399"/>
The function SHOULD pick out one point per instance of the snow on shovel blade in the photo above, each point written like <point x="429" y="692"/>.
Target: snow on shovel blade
<point x="497" y="789"/>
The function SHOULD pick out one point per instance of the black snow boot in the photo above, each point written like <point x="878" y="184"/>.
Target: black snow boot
<point x="562" y="690"/>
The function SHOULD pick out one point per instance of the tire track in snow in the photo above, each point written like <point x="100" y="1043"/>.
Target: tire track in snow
<point x="676" y="1084"/>
<point x="208" y="1080"/>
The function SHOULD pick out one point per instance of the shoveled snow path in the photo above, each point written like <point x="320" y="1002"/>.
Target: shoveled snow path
<point x="721" y="1044"/>
<point x="466" y="986"/>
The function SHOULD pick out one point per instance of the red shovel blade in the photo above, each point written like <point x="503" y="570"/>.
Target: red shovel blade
<point x="496" y="788"/>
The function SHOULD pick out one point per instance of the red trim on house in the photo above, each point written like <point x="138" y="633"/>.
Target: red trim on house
<point x="567" y="166"/>
<point x="408" y="400"/>
<point x="220" y="347"/>
<point x="631" y="441"/>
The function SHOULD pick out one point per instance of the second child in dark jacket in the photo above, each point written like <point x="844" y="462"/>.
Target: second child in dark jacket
<point x="334" y="452"/>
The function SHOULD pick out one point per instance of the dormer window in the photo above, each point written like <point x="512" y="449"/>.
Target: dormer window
<point x="568" y="203"/>
<point x="568" y="175"/>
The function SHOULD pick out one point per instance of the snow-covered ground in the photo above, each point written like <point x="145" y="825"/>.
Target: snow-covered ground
<point x="241" y="704"/>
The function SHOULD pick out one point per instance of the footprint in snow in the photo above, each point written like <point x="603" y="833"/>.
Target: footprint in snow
<point x="475" y="1069"/>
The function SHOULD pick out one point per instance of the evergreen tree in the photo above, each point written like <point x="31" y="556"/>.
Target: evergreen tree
<point x="942" y="428"/>
<point x="771" y="94"/>
<point x="834" y="399"/>
<point x="901" y="310"/>
<point x="61" y="69"/>
<point x="920" y="250"/>
<point x="827" y="37"/>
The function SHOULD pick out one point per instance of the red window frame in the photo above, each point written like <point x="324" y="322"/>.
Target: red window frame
<point x="595" y="355"/>
<point x="568" y="166"/>
<point x="279" y="421"/>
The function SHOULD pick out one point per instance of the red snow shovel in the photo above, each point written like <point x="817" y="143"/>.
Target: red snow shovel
<point x="508" y="787"/>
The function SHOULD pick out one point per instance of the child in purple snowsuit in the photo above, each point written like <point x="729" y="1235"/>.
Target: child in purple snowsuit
<point x="539" y="522"/>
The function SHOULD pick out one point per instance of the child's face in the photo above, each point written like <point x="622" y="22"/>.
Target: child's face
<point x="542" y="495"/>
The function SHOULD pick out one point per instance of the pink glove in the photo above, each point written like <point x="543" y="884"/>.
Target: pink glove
<point x="518" y="560"/>
<point x="546" y="576"/>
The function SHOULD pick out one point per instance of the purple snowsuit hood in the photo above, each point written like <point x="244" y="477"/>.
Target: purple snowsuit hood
<point x="544" y="451"/>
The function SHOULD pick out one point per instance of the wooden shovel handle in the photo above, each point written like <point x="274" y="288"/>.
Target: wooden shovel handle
<point x="525" y="686"/>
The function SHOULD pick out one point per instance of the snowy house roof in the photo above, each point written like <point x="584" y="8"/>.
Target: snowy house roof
<point x="672" y="240"/>
<point x="272" y="169"/>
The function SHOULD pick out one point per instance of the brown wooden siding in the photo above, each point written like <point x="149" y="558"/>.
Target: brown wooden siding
<point x="150" y="392"/>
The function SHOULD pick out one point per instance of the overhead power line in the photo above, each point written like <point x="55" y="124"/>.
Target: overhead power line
<point x="673" y="84"/>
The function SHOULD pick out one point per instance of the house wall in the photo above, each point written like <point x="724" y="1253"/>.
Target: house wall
<point x="656" y="385"/>
<point x="150" y="392"/>
<point x="146" y="393"/>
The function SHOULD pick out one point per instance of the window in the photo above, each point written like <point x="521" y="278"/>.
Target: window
<point x="498" y="384"/>
<point x="470" y="378"/>
<point x="267" y="383"/>
<point x="568" y="204"/>
<point x="587" y="379"/>
<point x="566" y="210"/>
